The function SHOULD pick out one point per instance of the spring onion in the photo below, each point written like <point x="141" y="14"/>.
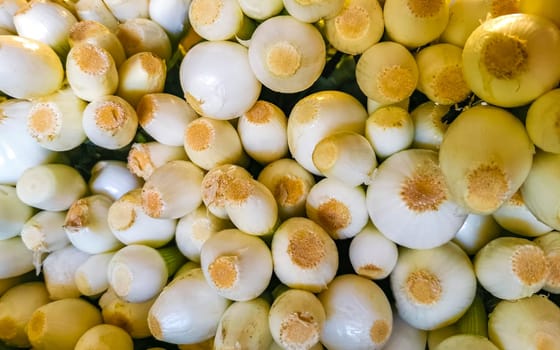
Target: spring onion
<point x="482" y="175"/>
<point x="112" y="179"/>
<point x="211" y="142"/>
<point x="141" y="73"/>
<point x="428" y="125"/>
<point x="372" y="255"/>
<point x="97" y="11"/>
<point x="550" y="244"/>
<point x="144" y="158"/>
<point x="105" y="337"/>
<point x="164" y="117"/>
<point x="290" y="184"/>
<point x="262" y="131"/>
<point x="212" y="88"/>
<point x="318" y="115"/>
<point x="91" y="71"/>
<point x="16" y="306"/>
<point x="296" y="319"/>
<point x="304" y="255"/>
<point x="387" y="72"/>
<point x="59" y="268"/>
<point x="187" y="311"/>
<point x="337" y="207"/>
<point x="476" y="232"/>
<point x="287" y="55"/>
<point x="60" y="323"/>
<point x="510" y="60"/>
<point x="30" y="68"/>
<point x="15" y="258"/>
<point x="13" y="212"/>
<point x="527" y="323"/>
<point x="389" y="129"/>
<point x="356" y="27"/>
<point x="91" y="276"/>
<point x="415" y="23"/>
<point x="44" y="233"/>
<point x="99" y="35"/>
<point x="370" y="328"/>
<point x="345" y="156"/>
<point x="542" y="121"/>
<point x="434" y="287"/>
<point x="244" y="325"/>
<point x="511" y="268"/>
<point x="51" y="186"/>
<point x="110" y="122"/>
<point x="515" y="216"/>
<point x="132" y="317"/>
<point x="195" y="228"/>
<point x="160" y="195"/>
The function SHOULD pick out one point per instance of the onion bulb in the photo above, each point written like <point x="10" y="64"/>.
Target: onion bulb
<point x="485" y="156"/>
<point x="510" y="60"/>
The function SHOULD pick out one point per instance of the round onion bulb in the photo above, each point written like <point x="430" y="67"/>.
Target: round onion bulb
<point x="511" y="268"/>
<point x="409" y="202"/>
<point x="287" y="55"/>
<point x="215" y="89"/>
<point x="511" y="60"/>
<point x="528" y="323"/>
<point x="434" y="287"/>
<point x="485" y="157"/>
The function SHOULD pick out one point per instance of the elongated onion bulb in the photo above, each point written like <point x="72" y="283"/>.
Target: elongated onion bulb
<point x="55" y="121"/>
<point x="29" y="68"/>
<point x="15" y="258"/>
<point x="17" y="305"/>
<point x="429" y="127"/>
<point x="214" y="89"/>
<point x="47" y="22"/>
<point x="262" y="131"/>
<point x="389" y="129"/>
<point x="187" y="311"/>
<point x="91" y="71"/>
<point x="173" y="190"/>
<point x="244" y="324"/>
<point x="414" y="23"/>
<point x="344" y="327"/>
<point x="144" y="158"/>
<point x="510" y="60"/>
<point x="60" y="324"/>
<point x="13" y="212"/>
<point x="482" y="175"/>
<point x="287" y="55"/>
<point x="99" y="35"/>
<point x="434" y="287"/>
<point x="527" y="323"/>
<point x="511" y="268"/>
<point x="296" y="319"/>
<point x="237" y="265"/>
<point x="409" y="202"/>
